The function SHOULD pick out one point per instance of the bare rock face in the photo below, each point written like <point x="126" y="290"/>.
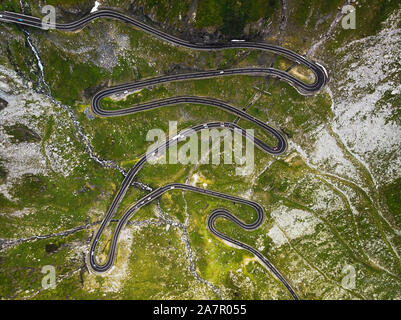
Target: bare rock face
<point x="3" y="104"/>
<point x="75" y="11"/>
<point x="187" y="29"/>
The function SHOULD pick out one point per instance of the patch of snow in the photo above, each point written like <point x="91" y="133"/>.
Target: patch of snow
<point x="95" y="7"/>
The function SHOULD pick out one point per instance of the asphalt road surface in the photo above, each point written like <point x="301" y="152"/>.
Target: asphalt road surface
<point x="321" y="78"/>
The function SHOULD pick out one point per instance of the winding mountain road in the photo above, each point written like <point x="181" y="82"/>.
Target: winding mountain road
<point x="321" y="78"/>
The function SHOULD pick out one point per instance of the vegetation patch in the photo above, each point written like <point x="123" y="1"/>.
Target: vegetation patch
<point x="21" y="133"/>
